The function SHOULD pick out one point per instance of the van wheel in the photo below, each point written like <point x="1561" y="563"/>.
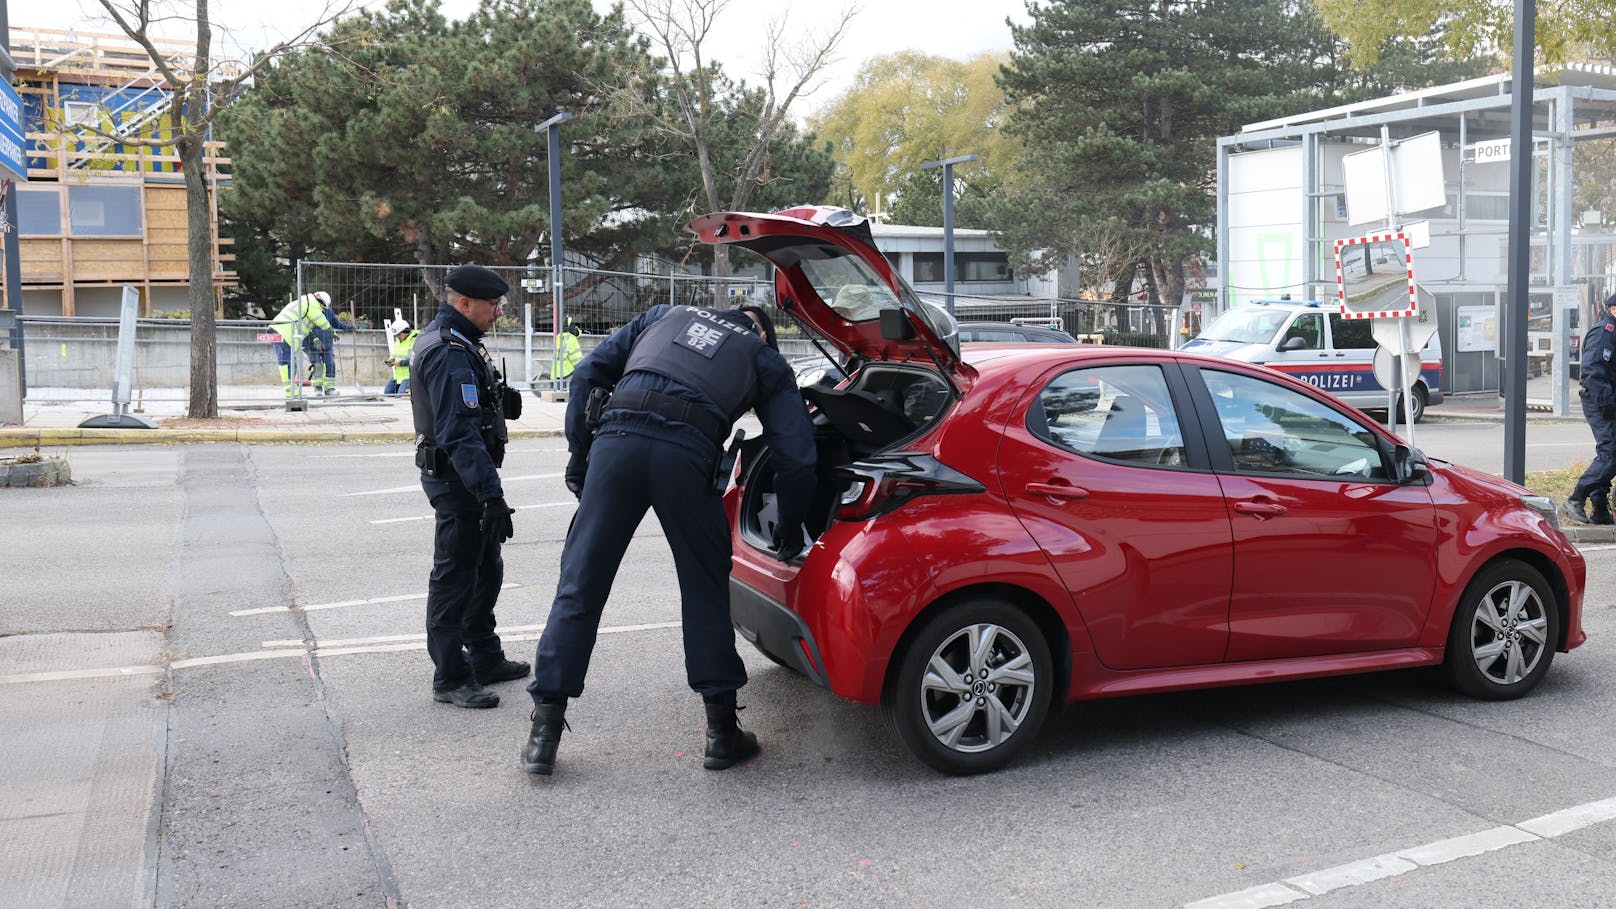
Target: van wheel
<point x="972" y="688"/>
<point x="1504" y="632"/>
<point x="1418" y="398"/>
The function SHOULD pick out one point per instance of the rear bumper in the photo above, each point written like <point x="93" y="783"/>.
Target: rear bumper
<point x="776" y="631"/>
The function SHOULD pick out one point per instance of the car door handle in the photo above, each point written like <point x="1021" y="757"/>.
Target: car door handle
<point x="1057" y="490"/>
<point x="1260" y="508"/>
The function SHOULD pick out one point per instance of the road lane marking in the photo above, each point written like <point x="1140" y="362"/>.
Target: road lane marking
<point x="1392" y="864"/>
<point x="1570" y="819"/>
<point x="265" y="610"/>
<point x="428" y="517"/>
<point x="416" y="487"/>
<point x="70" y="675"/>
<point x="385" y="644"/>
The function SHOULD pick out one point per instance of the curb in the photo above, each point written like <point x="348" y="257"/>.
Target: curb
<point x="1584" y="534"/>
<point x="31" y="438"/>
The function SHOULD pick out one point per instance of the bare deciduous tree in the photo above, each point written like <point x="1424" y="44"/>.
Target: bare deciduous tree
<point x="198" y="93"/>
<point x="680" y="29"/>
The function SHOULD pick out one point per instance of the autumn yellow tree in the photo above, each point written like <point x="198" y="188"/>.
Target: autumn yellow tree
<point x="1566" y="30"/>
<point x="907" y="108"/>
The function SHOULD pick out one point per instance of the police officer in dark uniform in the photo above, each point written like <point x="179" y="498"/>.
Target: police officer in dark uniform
<point x="679" y="377"/>
<point x="460" y="406"/>
<point x="1599" y="408"/>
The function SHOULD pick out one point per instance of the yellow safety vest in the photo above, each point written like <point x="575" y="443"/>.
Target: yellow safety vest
<point x="401" y="350"/>
<point x="299" y="317"/>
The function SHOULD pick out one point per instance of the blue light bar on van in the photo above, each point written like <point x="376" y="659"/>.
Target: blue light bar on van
<point x="1313" y="303"/>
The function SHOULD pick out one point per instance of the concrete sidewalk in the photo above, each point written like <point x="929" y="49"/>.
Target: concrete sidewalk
<point x="255" y="414"/>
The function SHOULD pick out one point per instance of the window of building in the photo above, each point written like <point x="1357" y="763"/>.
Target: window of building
<point x="80" y="113"/>
<point x="982" y="266"/>
<point x="39" y="211"/>
<point x="928" y="268"/>
<point x="104" y="211"/>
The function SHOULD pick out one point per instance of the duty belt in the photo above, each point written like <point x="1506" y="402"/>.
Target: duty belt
<point x="679" y="410"/>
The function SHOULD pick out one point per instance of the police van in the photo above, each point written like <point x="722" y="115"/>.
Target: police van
<point x="1313" y="342"/>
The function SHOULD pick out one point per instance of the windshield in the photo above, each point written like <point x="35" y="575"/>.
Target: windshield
<point x="1255" y="325"/>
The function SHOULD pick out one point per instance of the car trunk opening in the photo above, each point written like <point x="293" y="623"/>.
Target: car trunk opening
<point x="882" y="407"/>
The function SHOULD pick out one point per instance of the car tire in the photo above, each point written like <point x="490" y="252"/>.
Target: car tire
<point x="1504" y="632"/>
<point x="939" y="683"/>
<point x="1419" y="399"/>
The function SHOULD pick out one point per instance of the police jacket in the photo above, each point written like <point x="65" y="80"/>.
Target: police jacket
<point x="1597" y="345"/>
<point x="456" y="403"/>
<point x="718" y="379"/>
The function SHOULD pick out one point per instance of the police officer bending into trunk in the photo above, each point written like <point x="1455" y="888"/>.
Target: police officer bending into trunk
<point x="460" y="406"/>
<point x="679" y="377"/>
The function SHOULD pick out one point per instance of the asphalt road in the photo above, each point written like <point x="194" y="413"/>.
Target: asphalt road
<point x="268" y="758"/>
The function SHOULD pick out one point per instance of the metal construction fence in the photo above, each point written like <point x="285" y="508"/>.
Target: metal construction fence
<point x="599" y="301"/>
<point x="74" y="356"/>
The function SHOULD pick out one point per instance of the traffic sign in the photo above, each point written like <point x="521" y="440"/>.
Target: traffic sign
<point x="1383" y="367"/>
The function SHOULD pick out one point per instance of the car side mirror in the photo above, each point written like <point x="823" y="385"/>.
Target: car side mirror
<point x="1293" y="343"/>
<point x="1408" y="465"/>
<point x="895" y="325"/>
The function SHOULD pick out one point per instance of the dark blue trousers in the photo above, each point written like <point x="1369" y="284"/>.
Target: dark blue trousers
<point x="629" y="474"/>
<point x="1594" y="485"/>
<point x="467" y="571"/>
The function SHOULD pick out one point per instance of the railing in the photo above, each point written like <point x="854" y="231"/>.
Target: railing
<point x="53" y="155"/>
<point x="105" y="55"/>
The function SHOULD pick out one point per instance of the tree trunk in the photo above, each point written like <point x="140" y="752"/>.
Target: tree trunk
<point x="204" y="398"/>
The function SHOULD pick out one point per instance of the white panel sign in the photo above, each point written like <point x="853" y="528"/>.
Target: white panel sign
<point x="1417" y="178"/>
<point x="1491" y="150"/>
<point x="1365" y="176"/>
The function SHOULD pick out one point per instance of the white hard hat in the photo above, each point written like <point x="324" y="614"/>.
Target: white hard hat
<point x="323" y="297"/>
<point x="398" y="325"/>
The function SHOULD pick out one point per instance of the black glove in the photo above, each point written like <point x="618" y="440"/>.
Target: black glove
<point x="788" y="541"/>
<point x="577" y="466"/>
<point x="496" y="522"/>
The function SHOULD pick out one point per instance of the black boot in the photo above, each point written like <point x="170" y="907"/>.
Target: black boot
<point x="1576" y="510"/>
<point x="538" y="755"/>
<point x="469" y="694"/>
<point x="727" y="744"/>
<point x="1601" y="512"/>
<point x="498" y="669"/>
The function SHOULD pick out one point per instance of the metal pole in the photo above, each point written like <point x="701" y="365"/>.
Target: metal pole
<point x="552" y="128"/>
<point x="947" y="164"/>
<point x="12" y="252"/>
<point x="1520" y="241"/>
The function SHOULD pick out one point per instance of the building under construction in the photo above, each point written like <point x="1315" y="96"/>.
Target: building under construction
<point x="99" y="212"/>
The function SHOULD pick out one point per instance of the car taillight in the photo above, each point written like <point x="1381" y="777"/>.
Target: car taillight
<point x="877" y="485"/>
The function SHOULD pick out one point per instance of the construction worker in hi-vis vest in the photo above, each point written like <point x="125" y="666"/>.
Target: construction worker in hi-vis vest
<point x="293" y="323"/>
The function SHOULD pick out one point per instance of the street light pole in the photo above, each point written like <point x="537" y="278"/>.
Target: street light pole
<point x="552" y="127"/>
<point x="947" y="164"/>
<point x="1521" y="168"/>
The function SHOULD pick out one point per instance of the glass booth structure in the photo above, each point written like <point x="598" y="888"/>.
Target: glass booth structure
<point x="1282" y="205"/>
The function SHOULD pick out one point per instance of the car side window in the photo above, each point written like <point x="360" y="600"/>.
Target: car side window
<point x="1119" y="413"/>
<point x="1309" y="326"/>
<point x="993" y="335"/>
<point x="1351" y="334"/>
<point x="1271" y="429"/>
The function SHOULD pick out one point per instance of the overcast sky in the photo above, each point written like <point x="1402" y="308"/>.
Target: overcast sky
<point x="953" y="28"/>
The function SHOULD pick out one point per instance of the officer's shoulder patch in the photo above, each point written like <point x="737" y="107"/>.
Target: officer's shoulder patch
<point x="1610" y="327"/>
<point x="468" y="394"/>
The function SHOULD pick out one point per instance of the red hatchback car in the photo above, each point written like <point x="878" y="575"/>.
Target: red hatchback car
<point x="1020" y="525"/>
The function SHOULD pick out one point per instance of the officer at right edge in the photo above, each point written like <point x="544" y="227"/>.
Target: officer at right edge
<point x="1599" y="408"/>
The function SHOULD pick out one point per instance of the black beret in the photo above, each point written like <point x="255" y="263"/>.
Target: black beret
<point x="477" y="282"/>
<point x="1611" y="301"/>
